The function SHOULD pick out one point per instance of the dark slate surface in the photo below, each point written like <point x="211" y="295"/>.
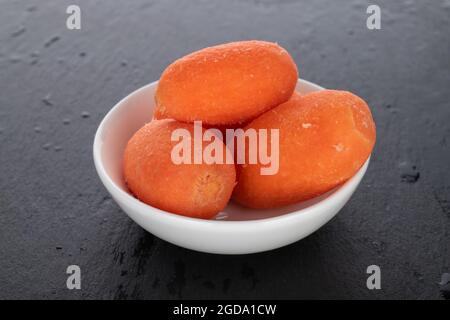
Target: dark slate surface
<point x="56" y="85"/>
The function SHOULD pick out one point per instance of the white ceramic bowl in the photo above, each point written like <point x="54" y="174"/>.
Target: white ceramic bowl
<point x="236" y="230"/>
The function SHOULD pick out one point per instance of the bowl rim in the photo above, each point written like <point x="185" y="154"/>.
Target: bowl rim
<point x="122" y="196"/>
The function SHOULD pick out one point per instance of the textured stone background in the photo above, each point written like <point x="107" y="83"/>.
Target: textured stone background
<point x="56" y="85"/>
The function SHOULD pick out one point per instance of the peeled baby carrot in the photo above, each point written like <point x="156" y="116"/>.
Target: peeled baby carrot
<point x="324" y="139"/>
<point x="226" y="84"/>
<point x="195" y="190"/>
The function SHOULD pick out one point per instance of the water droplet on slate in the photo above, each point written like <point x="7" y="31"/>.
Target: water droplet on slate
<point x="46" y="100"/>
<point x="51" y="41"/>
<point x="46" y="146"/>
<point x="85" y="114"/>
<point x="35" y="57"/>
<point x="18" y="32"/>
<point x="409" y="173"/>
<point x="66" y="121"/>
<point x="37" y="129"/>
<point x="410" y="177"/>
